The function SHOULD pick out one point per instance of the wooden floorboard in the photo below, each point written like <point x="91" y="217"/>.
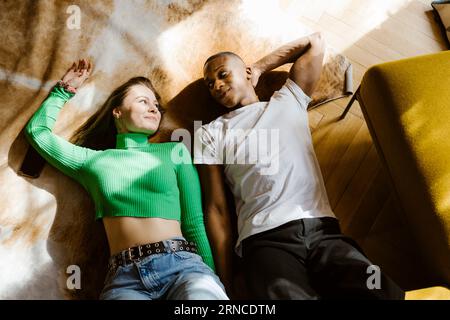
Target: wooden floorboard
<point x="366" y="32"/>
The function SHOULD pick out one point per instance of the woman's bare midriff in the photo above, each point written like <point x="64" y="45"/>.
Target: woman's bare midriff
<point x="126" y="232"/>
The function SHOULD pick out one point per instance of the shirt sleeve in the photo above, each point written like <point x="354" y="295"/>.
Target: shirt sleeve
<point x="292" y="93"/>
<point x="60" y="153"/>
<point x="192" y="221"/>
<point x="207" y="146"/>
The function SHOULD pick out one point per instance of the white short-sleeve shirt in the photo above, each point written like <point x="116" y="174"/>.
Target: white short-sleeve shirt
<point x="269" y="161"/>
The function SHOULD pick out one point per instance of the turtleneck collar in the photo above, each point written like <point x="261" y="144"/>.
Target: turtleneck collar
<point x="131" y="140"/>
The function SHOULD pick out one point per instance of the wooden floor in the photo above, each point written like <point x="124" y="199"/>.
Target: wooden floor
<point x="368" y="32"/>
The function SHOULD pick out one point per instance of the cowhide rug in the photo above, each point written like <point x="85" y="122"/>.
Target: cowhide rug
<point x="47" y="224"/>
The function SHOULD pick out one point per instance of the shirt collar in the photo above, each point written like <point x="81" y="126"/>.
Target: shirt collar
<point x="131" y="140"/>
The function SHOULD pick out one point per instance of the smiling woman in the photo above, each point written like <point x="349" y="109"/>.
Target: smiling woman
<point x="152" y="209"/>
<point x="122" y="112"/>
<point x="139" y="111"/>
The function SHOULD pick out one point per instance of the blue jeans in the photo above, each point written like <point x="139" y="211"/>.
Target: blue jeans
<point x="171" y="275"/>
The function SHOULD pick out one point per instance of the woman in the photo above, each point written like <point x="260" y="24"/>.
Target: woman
<point x="147" y="194"/>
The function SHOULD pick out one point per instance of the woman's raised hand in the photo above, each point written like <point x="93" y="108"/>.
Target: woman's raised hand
<point x="78" y="73"/>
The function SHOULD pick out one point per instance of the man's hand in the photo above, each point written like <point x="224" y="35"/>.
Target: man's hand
<point x="239" y="289"/>
<point x="256" y="73"/>
<point x="77" y="74"/>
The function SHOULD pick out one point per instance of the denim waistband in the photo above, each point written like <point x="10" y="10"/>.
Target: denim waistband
<point x="166" y="247"/>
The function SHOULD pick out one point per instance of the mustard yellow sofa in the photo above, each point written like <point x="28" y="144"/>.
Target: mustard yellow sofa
<point x="406" y="105"/>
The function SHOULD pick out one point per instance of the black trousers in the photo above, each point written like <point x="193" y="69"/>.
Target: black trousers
<point x="311" y="259"/>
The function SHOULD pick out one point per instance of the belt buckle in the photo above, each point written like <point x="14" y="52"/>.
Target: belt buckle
<point x="140" y="254"/>
<point x="130" y="255"/>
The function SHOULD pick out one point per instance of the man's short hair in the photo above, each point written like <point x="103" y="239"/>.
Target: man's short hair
<point x="221" y="54"/>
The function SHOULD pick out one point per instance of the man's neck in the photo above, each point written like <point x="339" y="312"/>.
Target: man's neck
<point x="251" y="98"/>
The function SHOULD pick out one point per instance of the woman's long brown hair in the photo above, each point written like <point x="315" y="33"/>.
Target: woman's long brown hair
<point x="99" y="131"/>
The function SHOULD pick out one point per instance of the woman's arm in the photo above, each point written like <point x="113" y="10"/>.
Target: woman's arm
<point x="60" y="153"/>
<point x="218" y="222"/>
<point x="192" y="221"/>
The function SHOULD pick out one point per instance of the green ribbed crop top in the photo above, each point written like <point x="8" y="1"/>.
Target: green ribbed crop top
<point x="137" y="178"/>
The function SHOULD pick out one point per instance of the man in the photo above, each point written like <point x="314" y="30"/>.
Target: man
<point x="288" y="236"/>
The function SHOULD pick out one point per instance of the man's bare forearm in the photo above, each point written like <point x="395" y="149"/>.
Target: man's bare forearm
<point x="287" y="53"/>
<point x="218" y="227"/>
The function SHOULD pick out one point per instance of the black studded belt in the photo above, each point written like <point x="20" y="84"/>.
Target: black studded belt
<point x="136" y="253"/>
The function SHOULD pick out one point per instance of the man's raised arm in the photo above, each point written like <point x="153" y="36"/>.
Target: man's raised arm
<point x="307" y="55"/>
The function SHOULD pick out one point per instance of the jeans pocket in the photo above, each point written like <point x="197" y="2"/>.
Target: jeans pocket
<point x="184" y="255"/>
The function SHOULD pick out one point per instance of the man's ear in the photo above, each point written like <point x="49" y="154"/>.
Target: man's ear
<point x="249" y="72"/>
